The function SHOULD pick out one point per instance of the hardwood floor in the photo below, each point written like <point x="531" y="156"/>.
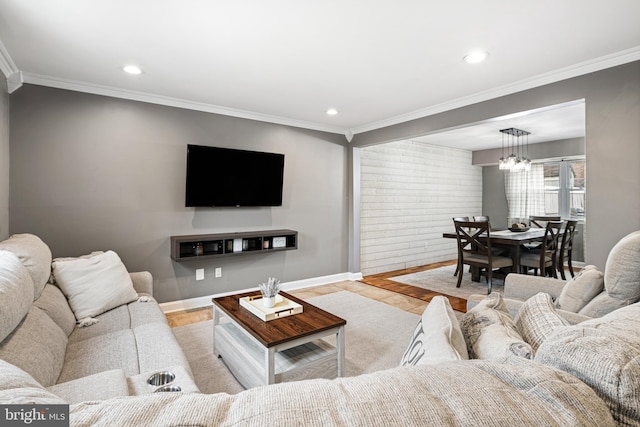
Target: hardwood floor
<point x="377" y="287"/>
<point x="382" y="281"/>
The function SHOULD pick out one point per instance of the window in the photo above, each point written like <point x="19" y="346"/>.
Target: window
<point x="564" y="188"/>
<point x="550" y="188"/>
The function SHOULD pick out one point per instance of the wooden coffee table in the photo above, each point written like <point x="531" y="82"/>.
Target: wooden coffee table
<point x="285" y="349"/>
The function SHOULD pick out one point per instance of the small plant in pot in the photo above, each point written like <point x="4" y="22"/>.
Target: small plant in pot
<point x="269" y="290"/>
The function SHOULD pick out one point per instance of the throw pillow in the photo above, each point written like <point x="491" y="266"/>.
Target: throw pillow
<point x="622" y="270"/>
<point x="490" y="332"/>
<point x="437" y="336"/>
<point x="94" y="284"/>
<point x="578" y="291"/>
<point x="537" y="319"/>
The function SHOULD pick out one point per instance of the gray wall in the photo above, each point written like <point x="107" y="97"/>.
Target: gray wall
<point x="612" y="104"/>
<point x="4" y="159"/>
<point x="95" y="173"/>
<point x="494" y="198"/>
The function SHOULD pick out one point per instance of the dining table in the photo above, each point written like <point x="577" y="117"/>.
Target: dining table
<point x="510" y="240"/>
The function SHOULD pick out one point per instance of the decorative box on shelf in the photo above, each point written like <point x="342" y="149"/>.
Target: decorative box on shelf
<point x="284" y="307"/>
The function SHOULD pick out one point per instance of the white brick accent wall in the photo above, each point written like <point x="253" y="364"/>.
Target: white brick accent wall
<point x="410" y="192"/>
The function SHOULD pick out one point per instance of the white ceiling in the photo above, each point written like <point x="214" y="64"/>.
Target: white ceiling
<point x="556" y="122"/>
<point x="287" y="61"/>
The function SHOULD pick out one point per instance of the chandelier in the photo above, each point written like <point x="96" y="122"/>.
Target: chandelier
<point x="517" y="160"/>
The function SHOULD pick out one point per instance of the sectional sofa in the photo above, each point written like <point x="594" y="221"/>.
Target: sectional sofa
<point x="52" y="351"/>
<point x="122" y="340"/>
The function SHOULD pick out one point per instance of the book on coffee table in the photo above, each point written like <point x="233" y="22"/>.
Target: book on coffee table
<point x="284" y="307"/>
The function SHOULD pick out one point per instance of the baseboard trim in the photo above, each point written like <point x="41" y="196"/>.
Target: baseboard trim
<point x="205" y="301"/>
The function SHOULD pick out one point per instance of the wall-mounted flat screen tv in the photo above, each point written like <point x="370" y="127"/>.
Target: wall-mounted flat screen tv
<point x="229" y="177"/>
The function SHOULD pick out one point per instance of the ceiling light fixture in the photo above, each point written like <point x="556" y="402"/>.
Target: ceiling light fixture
<point x="132" y="69"/>
<point x="476" y="57"/>
<point x="517" y="160"/>
<point x="331" y="112"/>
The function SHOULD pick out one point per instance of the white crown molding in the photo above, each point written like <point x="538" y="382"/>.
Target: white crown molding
<point x="9" y="69"/>
<point x="14" y="82"/>
<point x="576" y="70"/>
<point x="7" y="66"/>
<point x="15" y="79"/>
<point x="77" y="86"/>
<point x="205" y="301"/>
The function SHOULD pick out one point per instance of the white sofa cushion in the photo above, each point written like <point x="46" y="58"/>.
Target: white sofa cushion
<point x="115" y="350"/>
<point x="604" y="353"/>
<point x="100" y="386"/>
<point x="19" y="388"/>
<point x="37" y="346"/>
<point x="602" y="304"/>
<point x="16" y="292"/>
<point x="437" y="336"/>
<point x="537" y="319"/>
<point x="35" y="256"/>
<point x="53" y="302"/>
<point x="490" y="333"/>
<point x="454" y="393"/>
<point x="578" y="291"/>
<point x="94" y="284"/>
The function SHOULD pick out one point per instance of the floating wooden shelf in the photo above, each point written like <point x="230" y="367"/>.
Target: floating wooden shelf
<point x="203" y="246"/>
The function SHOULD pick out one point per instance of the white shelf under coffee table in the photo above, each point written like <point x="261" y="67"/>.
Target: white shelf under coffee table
<point x="290" y="348"/>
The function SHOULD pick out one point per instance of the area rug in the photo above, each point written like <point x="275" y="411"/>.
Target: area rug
<point x="376" y="336"/>
<point x="443" y="281"/>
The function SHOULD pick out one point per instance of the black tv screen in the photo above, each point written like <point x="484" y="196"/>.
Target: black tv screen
<point x="229" y="177"/>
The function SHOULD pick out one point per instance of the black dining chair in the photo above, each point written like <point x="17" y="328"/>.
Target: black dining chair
<point x="544" y="258"/>
<point x="539" y="221"/>
<point x="474" y="249"/>
<point x="565" y="253"/>
<point x="459" y="218"/>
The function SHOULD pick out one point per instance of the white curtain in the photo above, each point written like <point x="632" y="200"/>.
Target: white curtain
<point x="525" y="192"/>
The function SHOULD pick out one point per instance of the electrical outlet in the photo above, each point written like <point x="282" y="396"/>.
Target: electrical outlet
<point x="426" y="245"/>
<point x="218" y="272"/>
<point x="199" y="273"/>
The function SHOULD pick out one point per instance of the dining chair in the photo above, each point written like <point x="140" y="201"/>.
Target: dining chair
<point x="485" y="218"/>
<point x="544" y="257"/>
<point x="463" y="219"/>
<point x="474" y="249"/>
<point x="566" y="248"/>
<point x="540" y="221"/>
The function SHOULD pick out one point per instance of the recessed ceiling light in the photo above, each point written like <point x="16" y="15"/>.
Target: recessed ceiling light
<point x="475" y="57"/>
<point x="332" y="111"/>
<point x="132" y="69"/>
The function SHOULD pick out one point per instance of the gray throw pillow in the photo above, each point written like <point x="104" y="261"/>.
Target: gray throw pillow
<point x="578" y="291"/>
